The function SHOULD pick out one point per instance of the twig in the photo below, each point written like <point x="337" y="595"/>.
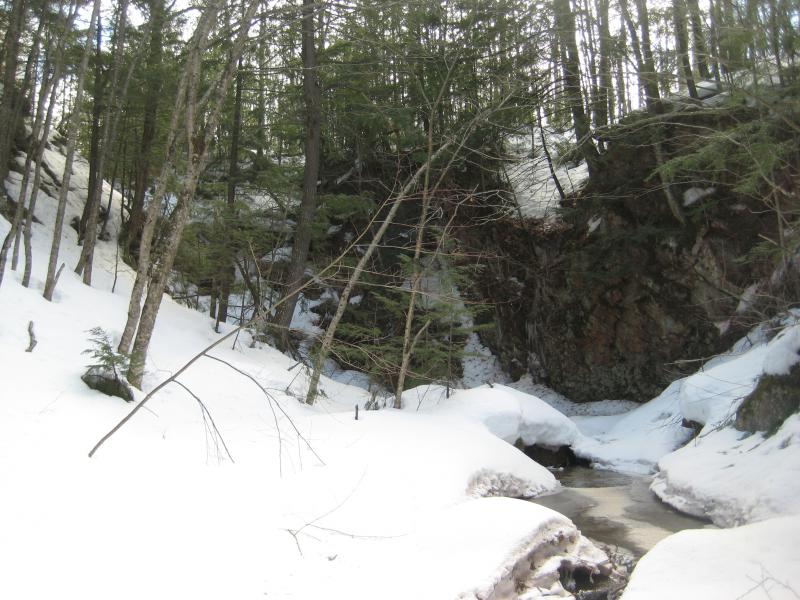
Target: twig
<point x="32" y="344"/>
<point x="207" y="414"/>
<point x="271" y="401"/>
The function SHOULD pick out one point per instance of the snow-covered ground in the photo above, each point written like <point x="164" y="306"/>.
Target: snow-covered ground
<point x="400" y="504"/>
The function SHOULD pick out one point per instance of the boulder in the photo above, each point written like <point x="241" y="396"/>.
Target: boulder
<point x="107" y="381"/>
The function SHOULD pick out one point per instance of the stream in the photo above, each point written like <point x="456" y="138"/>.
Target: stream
<point x="618" y="511"/>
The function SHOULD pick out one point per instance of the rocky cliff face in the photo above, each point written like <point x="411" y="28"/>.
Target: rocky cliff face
<point x="617" y="297"/>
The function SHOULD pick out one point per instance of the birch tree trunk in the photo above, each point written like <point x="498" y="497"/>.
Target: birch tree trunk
<point x="197" y="45"/>
<point x="199" y="140"/>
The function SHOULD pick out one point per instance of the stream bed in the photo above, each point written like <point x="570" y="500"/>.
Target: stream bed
<point x="618" y="511"/>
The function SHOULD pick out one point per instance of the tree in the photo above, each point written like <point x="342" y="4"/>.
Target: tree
<point x="302" y="235"/>
<point x="52" y="274"/>
<point x="565" y="25"/>
<point x="199" y="136"/>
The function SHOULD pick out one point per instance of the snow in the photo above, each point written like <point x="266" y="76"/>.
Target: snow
<point x="509" y="414"/>
<point x="694" y="194"/>
<point x="634" y="442"/>
<point x="316" y="504"/>
<point x="784" y="352"/>
<point x="752" y="562"/>
<point x="535" y="192"/>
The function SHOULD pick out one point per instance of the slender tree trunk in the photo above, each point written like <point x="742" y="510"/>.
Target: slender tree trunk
<point x="565" y="22"/>
<point x="302" y="237"/>
<point x="197" y="45"/>
<point x="13" y="235"/>
<point x="11" y="103"/>
<point x="604" y="101"/>
<point x="29" y="83"/>
<point x="682" y="44"/>
<point x="136" y="219"/>
<point x="698" y="39"/>
<point x="110" y="122"/>
<point x="41" y="143"/>
<point x="228" y="255"/>
<point x="50" y="282"/>
<point x="199" y="143"/>
<point x="97" y="114"/>
<point x="650" y="74"/>
<point x="330" y="332"/>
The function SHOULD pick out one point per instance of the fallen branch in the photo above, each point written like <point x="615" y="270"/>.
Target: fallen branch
<point x="210" y="419"/>
<point x="32" y="337"/>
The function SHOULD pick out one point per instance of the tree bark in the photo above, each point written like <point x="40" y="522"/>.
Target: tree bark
<point x="698" y="39"/>
<point x="227" y="255"/>
<point x="565" y="23"/>
<point x="199" y="143"/>
<point x="109" y="132"/>
<point x="154" y="60"/>
<point x="682" y="44"/>
<point x="11" y="103"/>
<point x="50" y="282"/>
<point x="197" y="45"/>
<point x="308" y="205"/>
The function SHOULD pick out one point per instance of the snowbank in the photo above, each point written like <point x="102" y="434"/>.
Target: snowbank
<point x="750" y="562"/>
<point x="509" y="414"/>
<point x="634" y="442"/>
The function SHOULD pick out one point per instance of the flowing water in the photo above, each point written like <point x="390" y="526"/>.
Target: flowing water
<point x="617" y="510"/>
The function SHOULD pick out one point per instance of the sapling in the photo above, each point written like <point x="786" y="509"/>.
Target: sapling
<point x="107" y="373"/>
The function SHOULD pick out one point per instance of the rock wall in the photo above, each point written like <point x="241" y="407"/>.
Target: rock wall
<point x="617" y="297"/>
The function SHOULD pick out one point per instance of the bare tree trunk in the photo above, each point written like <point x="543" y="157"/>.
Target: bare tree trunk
<point x="41" y="143"/>
<point x="13" y="235"/>
<point x="28" y="83"/>
<point x="11" y="103"/>
<point x="565" y="22"/>
<point x="136" y="220"/>
<point x="110" y="122"/>
<point x="227" y="262"/>
<point x="50" y="282"/>
<point x="604" y="101"/>
<point x="196" y="46"/>
<point x="97" y="114"/>
<point x="698" y="39"/>
<point x="308" y="205"/>
<point x="199" y="142"/>
<point x="682" y="44"/>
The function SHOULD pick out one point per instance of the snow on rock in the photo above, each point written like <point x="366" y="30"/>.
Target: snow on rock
<point x="712" y="395"/>
<point x="633" y="442"/>
<point x="784" y="352"/>
<point x="509" y="414"/>
<point x="753" y="562"/>
<point x="733" y="477"/>
<point x="726" y="475"/>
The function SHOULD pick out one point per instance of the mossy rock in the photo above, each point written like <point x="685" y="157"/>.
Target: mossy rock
<point x="775" y="398"/>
